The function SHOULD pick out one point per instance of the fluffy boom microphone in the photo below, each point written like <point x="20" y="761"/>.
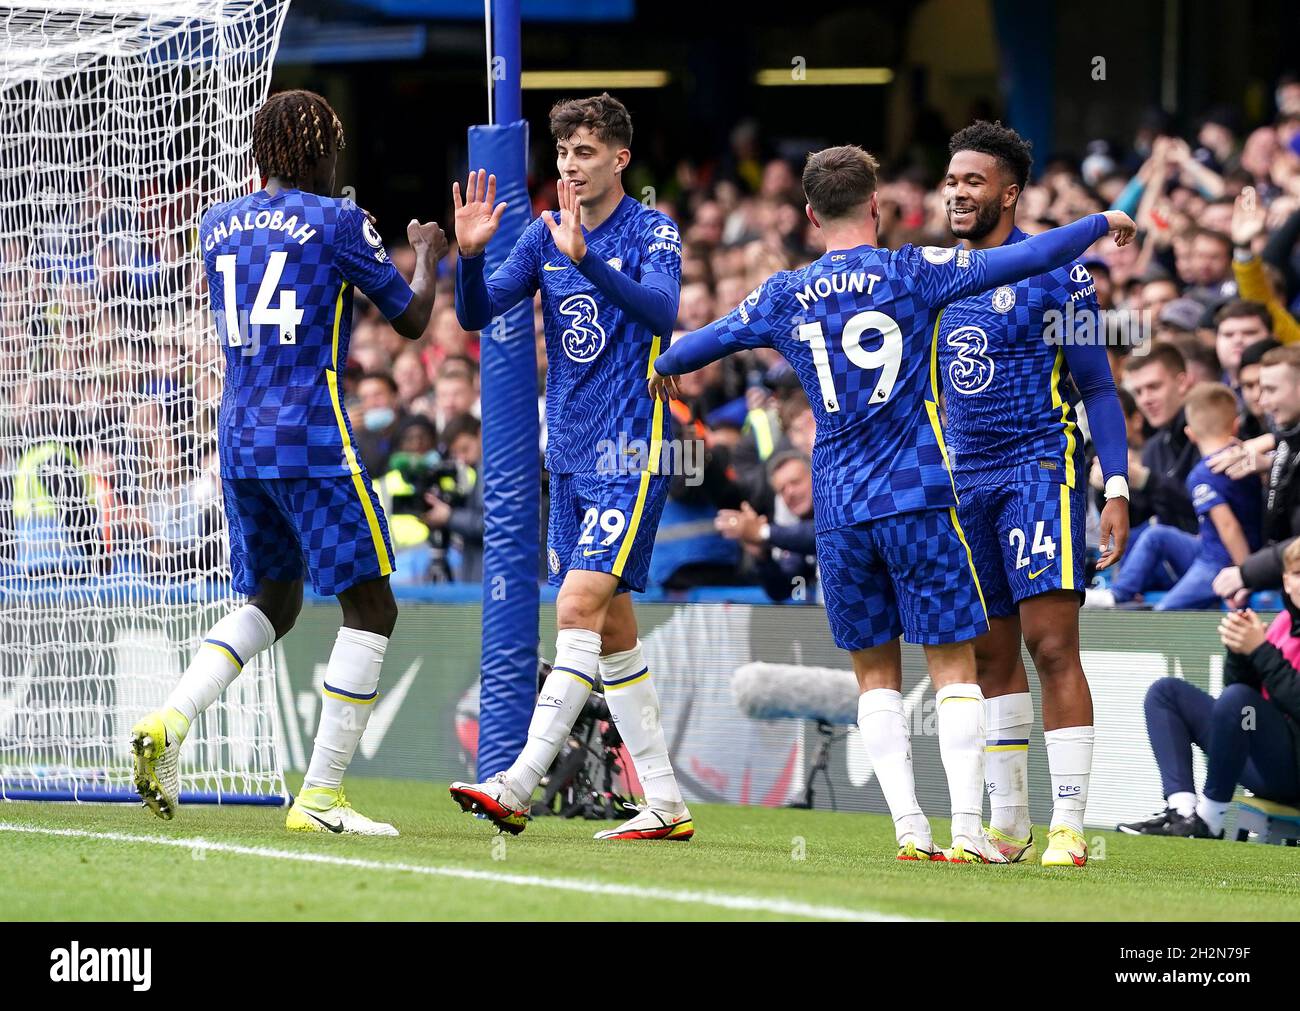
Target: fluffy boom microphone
<point x="773" y="691"/>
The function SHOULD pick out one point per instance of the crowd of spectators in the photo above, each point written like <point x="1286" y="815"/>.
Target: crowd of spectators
<point x="1204" y="303"/>
<point x="1200" y="307"/>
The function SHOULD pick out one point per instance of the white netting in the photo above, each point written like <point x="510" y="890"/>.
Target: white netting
<point x="121" y="121"/>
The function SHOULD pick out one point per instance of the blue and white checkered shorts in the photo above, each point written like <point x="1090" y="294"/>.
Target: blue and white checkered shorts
<point x="333" y="529"/>
<point x="1026" y="537"/>
<point x="906" y="574"/>
<point x="605" y="523"/>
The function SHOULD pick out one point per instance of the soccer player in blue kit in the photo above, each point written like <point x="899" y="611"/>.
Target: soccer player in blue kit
<point x="858" y="327"/>
<point x="1015" y="362"/>
<point x="609" y="273"/>
<point x="281" y="267"/>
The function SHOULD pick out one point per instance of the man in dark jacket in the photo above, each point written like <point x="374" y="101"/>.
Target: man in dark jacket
<point x="1279" y="394"/>
<point x="786" y="552"/>
<point x="1254" y="423"/>
<point x="1249" y="734"/>
<point x="1158" y="477"/>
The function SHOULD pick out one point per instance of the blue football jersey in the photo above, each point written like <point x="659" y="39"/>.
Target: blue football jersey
<point x="1010" y="402"/>
<point x="858" y="327"/>
<point x="597" y="358"/>
<point x="1207" y="490"/>
<point x="280" y="270"/>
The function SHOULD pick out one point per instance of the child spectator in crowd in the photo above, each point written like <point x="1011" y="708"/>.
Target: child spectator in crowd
<point x="1228" y="511"/>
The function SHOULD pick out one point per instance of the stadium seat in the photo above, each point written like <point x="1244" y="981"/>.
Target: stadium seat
<point x="1268" y="821"/>
<point x="1265" y="601"/>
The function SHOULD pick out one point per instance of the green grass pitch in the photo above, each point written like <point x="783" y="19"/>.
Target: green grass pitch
<point x="744" y="863"/>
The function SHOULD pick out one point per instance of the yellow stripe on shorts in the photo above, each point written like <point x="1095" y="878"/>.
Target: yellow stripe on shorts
<point x="349" y="454"/>
<point x="651" y="468"/>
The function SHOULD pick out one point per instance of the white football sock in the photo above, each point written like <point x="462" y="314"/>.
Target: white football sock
<point x="351" y="687"/>
<point x="634" y="705"/>
<point x="1008" y="720"/>
<point x="889" y="746"/>
<point x="1212" y="812"/>
<point x="961" y="745"/>
<point x="1069" y="760"/>
<point x="577" y="659"/>
<point x="1184" y="803"/>
<point x="229" y="644"/>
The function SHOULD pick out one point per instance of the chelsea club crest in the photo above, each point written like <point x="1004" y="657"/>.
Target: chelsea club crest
<point x="1004" y="299"/>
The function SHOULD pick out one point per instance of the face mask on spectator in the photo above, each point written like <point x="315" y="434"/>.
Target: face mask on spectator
<point x="378" y="418"/>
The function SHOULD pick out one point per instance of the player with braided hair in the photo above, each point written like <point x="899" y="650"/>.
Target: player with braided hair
<point x="294" y="132"/>
<point x="281" y="264"/>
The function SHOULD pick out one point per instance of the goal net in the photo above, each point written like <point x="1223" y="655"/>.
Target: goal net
<point x="121" y="121"/>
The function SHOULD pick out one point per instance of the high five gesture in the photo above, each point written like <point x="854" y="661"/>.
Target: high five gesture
<point x="567" y="232"/>
<point x="479" y="216"/>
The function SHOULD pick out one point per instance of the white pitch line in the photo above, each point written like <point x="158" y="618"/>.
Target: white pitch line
<point x="780" y="907"/>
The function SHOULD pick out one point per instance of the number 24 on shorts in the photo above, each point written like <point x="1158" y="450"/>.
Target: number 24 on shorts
<point x="1041" y="545"/>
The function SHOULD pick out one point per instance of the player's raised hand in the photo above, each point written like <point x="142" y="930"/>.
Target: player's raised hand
<point x="1114" y="532"/>
<point x="479" y="215"/>
<point x="1122" y="225"/>
<point x="663" y="387"/>
<point x="427" y="239"/>
<point x="567" y="232"/>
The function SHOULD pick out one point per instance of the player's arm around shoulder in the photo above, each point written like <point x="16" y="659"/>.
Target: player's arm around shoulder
<point x="938" y="275"/>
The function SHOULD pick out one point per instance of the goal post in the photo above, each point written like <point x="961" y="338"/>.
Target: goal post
<point x="121" y="122"/>
<point x="511" y="470"/>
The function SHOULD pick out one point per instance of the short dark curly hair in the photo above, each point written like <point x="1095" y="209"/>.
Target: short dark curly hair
<point x="1001" y="142"/>
<point x="604" y="115"/>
